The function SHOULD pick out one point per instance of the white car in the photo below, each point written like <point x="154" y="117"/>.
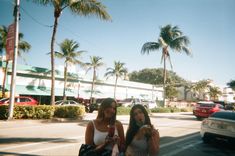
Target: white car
<point x="67" y="103"/>
<point x="220" y="125"/>
<point x="150" y="104"/>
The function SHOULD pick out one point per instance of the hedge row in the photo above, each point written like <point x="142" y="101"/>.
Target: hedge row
<point x="126" y="110"/>
<point x="42" y="112"/>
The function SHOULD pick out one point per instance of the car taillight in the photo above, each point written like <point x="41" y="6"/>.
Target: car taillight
<point x="212" y="110"/>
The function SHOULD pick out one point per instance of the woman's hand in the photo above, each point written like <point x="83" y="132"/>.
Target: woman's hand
<point x="154" y="142"/>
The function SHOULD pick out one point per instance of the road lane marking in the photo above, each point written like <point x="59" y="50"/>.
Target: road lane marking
<point x="38" y="143"/>
<point x="174" y="152"/>
<point x="178" y="140"/>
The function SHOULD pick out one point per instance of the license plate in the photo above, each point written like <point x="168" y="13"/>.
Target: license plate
<point x="204" y="111"/>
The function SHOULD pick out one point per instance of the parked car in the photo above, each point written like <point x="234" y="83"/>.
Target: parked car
<point x="20" y="100"/>
<point x="150" y="104"/>
<point x="95" y="105"/>
<point x="67" y="103"/>
<point x="129" y="102"/>
<point x="220" y="125"/>
<point x="204" y="109"/>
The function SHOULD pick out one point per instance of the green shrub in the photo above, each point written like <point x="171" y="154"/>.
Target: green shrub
<point x="161" y="110"/>
<point x="123" y="110"/>
<point x="43" y="112"/>
<point x="187" y="109"/>
<point x="3" y="112"/>
<point x="174" y="109"/>
<point x="69" y="111"/>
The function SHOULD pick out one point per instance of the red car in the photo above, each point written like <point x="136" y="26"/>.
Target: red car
<point x="20" y="100"/>
<point x="204" y="109"/>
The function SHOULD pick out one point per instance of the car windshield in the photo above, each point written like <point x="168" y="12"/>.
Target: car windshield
<point x="4" y="99"/>
<point x="127" y="100"/>
<point x="224" y="115"/>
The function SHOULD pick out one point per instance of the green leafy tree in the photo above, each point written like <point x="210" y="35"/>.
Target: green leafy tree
<point x="214" y="92"/>
<point x="68" y="52"/>
<point x="118" y="71"/>
<point x="200" y="88"/>
<point x="171" y="92"/>
<point x="79" y="7"/>
<point x="95" y="63"/>
<point x="170" y="38"/>
<point x="154" y="76"/>
<point x="23" y="46"/>
<point x="231" y="84"/>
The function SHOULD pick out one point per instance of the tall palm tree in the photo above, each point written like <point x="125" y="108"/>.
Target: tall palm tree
<point x="94" y="64"/>
<point x="118" y="71"/>
<point x="80" y="7"/>
<point x="23" y="46"/>
<point x="214" y="92"/>
<point x="170" y="38"/>
<point x="68" y="51"/>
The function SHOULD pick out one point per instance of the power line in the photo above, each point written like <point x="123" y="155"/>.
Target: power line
<point x="34" y="19"/>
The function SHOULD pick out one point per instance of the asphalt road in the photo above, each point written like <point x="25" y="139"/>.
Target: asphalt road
<point x="179" y="134"/>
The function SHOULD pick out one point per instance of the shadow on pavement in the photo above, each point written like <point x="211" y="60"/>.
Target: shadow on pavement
<point x="35" y="140"/>
<point x="16" y="154"/>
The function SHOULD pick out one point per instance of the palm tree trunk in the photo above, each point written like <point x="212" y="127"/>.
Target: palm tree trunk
<point x="92" y="85"/>
<point x="53" y="62"/>
<point x="114" y="96"/>
<point x="164" y="77"/>
<point x="65" y="80"/>
<point x="4" y="79"/>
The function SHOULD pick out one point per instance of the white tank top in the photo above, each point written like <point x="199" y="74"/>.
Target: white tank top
<point x="99" y="137"/>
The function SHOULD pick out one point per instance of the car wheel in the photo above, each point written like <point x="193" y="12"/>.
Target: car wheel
<point x="199" y="118"/>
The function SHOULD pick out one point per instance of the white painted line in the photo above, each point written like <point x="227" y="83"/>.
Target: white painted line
<point x="48" y="148"/>
<point x="178" y="140"/>
<point x="174" y="152"/>
<point x="37" y="143"/>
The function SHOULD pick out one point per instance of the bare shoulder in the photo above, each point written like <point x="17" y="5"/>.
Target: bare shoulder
<point x="118" y="123"/>
<point x="90" y="124"/>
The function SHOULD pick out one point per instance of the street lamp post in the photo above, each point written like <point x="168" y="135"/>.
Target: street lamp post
<point x="14" y="63"/>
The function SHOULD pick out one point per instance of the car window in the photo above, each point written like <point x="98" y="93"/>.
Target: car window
<point x="24" y="99"/>
<point x="4" y="100"/>
<point x="221" y="106"/>
<point x="206" y="105"/>
<point x="224" y="115"/>
<point x="72" y="102"/>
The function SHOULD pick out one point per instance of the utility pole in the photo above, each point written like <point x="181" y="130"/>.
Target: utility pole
<point x="14" y="63"/>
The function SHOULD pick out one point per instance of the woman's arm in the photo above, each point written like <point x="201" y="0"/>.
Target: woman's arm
<point x="154" y="143"/>
<point x="121" y="136"/>
<point x="89" y="135"/>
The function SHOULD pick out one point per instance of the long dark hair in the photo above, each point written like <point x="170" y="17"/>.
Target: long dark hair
<point x="133" y="127"/>
<point x="107" y="103"/>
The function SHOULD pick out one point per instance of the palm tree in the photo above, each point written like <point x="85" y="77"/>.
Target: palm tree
<point x="94" y="64"/>
<point x="169" y="38"/>
<point x="118" y="71"/>
<point x="68" y="52"/>
<point x="214" y="92"/>
<point x="80" y="7"/>
<point x="231" y="84"/>
<point x="23" y="47"/>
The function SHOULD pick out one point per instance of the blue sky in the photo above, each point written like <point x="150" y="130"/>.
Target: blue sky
<point x="209" y="24"/>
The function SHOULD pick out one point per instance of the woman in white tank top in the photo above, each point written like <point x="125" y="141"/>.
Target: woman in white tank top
<point x="98" y="131"/>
